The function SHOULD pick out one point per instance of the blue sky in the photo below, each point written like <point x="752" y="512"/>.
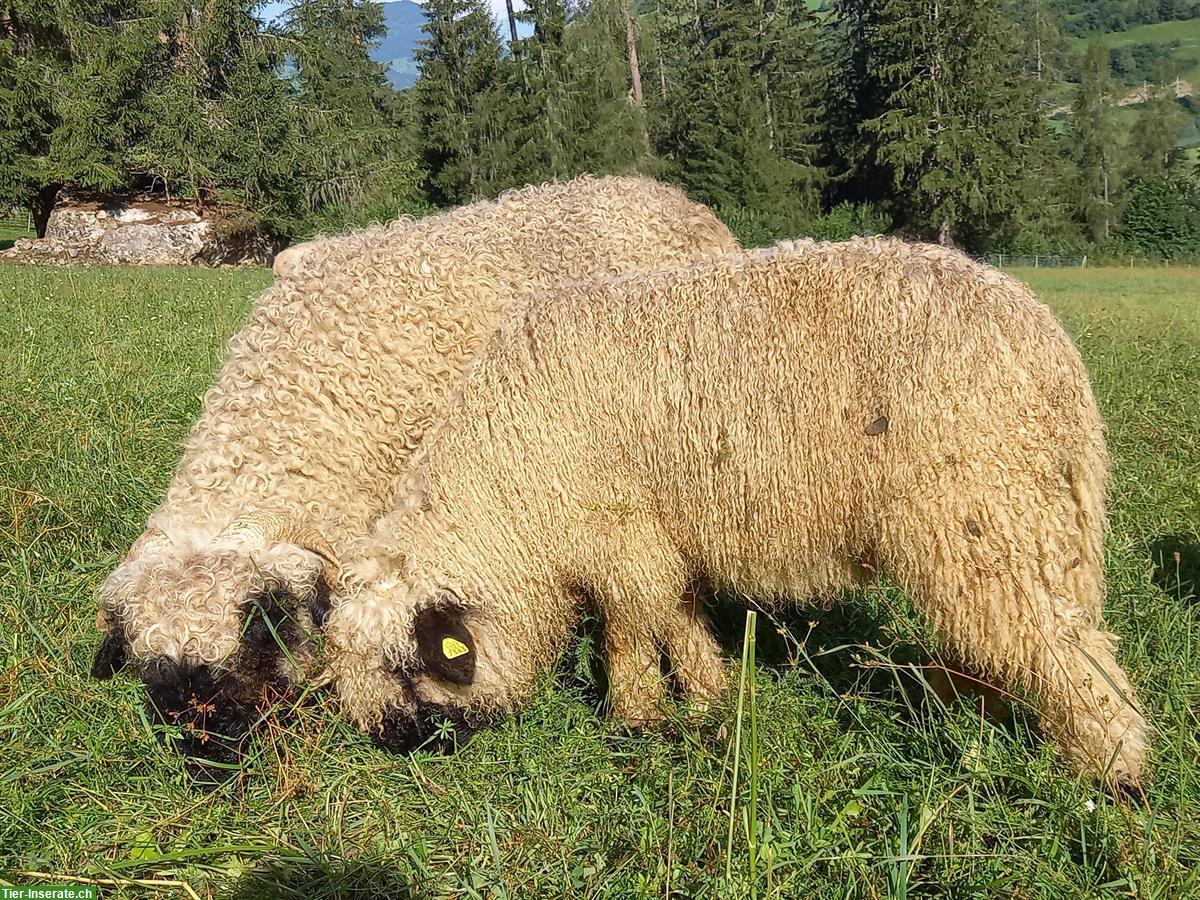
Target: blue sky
<point x="270" y="10"/>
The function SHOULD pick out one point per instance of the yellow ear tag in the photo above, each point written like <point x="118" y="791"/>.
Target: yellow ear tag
<point x="452" y="649"/>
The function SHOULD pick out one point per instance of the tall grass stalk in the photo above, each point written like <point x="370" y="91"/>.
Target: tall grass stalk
<point x="745" y="680"/>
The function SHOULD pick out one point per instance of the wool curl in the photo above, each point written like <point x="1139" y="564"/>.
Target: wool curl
<point x="341" y="367"/>
<point x="782" y="424"/>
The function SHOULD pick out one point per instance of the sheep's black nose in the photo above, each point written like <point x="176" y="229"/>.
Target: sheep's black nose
<point x="424" y="726"/>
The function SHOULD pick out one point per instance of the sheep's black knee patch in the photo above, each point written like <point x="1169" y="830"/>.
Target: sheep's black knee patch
<point x="429" y="726"/>
<point x="113" y="653"/>
<point x="211" y="710"/>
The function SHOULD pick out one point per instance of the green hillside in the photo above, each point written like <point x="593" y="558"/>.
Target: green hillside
<point x="1177" y="41"/>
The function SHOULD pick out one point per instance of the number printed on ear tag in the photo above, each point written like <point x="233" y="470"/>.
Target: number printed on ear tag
<point x="452" y="649"/>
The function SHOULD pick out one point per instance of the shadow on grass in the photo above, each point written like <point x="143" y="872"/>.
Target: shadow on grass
<point x="1176" y="565"/>
<point x="851" y="647"/>
<point x="848" y="645"/>
<point x="310" y="878"/>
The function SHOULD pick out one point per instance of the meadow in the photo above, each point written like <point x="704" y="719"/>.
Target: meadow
<point x="856" y="780"/>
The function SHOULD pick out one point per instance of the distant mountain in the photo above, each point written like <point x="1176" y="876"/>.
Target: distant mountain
<point x="404" y="19"/>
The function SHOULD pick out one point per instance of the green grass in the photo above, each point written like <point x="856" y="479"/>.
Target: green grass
<point x="13" y="228"/>
<point x="863" y="785"/>
<point x="1186" y="31"/>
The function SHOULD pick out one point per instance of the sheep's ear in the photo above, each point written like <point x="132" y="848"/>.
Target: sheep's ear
<point x="444" y="644"/>
<point x="112" y="655"/>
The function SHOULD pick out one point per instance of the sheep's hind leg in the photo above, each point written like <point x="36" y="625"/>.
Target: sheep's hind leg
<point x="1010" y="596"/>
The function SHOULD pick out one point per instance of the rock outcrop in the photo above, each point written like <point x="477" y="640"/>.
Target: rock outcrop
<point x="139" y="232"/>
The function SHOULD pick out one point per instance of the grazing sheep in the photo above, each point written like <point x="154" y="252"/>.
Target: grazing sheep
<point x="779" y="423"/>
<point x="326" y="391"/>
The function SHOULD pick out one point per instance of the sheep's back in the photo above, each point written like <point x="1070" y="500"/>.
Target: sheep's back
<point x="775" y="406"/>
<point x="343" y="364"/>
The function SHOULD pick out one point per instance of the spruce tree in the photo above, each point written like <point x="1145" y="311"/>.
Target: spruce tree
<point x="163" y="95"/>
<point x="542" y="123"/>
<point x="76" y="74"/>
<point x="462" y="102"/>
<point x="608" y="123"/>
<point x="351" y="117"/>
<point x="1041" y="23"/>
<point x="958" y="116"/>
<point x="738" y="115"/>
<point x="33" y="51"/>
<point x="1094" y="148"/>
<point x="1152" y="141"/>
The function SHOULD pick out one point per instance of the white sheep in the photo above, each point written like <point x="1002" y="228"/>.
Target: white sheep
<point x="326" y="391"/>
<point x="779" y="423"/>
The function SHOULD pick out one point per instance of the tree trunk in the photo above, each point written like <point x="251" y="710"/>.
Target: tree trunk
<point x="944" y="232"/>
<point x="766" y="82"/>
<point x="42" y="206"/>
<point x="631" y="36"/>
<point x="1106" y="202"/>
<point x="1037" y="30"/>
<point x="512" y="27"/>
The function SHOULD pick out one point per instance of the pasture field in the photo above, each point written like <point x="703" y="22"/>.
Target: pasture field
<point x="866" y="785"/>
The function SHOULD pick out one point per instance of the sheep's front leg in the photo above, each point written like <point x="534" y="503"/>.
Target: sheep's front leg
<point x="694" y="655"/>
<point x="638" y="589"/>
<point x="636" y="688"/>
<point x="648" y="610"/>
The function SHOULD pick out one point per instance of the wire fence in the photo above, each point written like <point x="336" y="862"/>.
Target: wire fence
<point x="1019" y="260"/>
<point x="14" y="224"/>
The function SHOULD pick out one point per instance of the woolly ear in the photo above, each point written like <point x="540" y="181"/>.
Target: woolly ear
<point x="112" y="655"/>
<point x="444" y="644"/>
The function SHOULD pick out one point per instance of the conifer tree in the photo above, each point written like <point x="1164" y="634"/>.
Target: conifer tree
<point x="74" y="75"/>
<point x="608" y="123"/>
<point x="737" y="117"/>
<point x="462" y="102"/>
<point x="350" y="115"/>
<point x="1041" y="23"/>
<point x="958" y="114"/>
<point x="1152" y="141"/>
<point x="166" y="95"/>
<point x="1094" y="146"/>
<point x="31" y="46"/>
<point x="542" y="122"/>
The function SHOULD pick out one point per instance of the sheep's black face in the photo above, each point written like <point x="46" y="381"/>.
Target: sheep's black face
<point x="212" y="710"/>
<point x="446" y="654"/>
<point x="113" y="653"/>
<point x="423" y="726"/>
<point x="445" y="646"/>
<point x="217" y="708"/>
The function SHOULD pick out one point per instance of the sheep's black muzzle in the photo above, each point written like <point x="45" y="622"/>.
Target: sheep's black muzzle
<point x="214" y="711"/>
<point x="423" y="726"/>
<point x="218" y="709"/>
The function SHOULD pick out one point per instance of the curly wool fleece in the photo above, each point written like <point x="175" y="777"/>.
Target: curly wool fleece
<point x="779" y="423"/>
<point x="331" y="383"/>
